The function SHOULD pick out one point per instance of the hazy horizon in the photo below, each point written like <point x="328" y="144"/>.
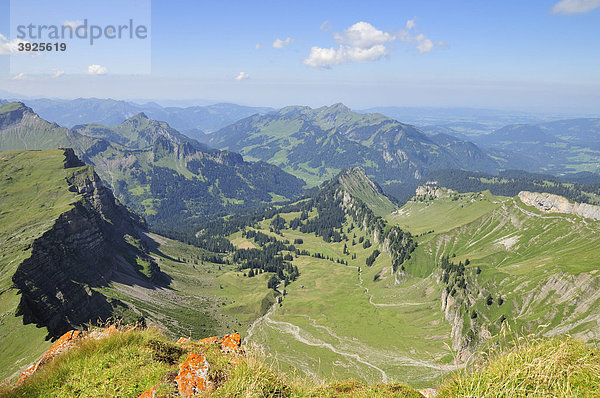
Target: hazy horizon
<point x="538" y="56"/>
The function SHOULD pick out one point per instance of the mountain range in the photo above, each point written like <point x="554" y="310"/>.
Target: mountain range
<point x="194" y="121"/>
<point x="152" y="168"/>
<point x="316" y="144"/>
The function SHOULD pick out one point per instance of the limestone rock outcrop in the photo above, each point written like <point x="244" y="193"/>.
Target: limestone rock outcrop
<point x="550" y="203"/>
<point x="430" y="190"/>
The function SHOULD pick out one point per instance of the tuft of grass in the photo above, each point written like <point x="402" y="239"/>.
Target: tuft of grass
<point x="532" y="367"/>
<point x="251" y="378"/>
<point x="353" y="388"/>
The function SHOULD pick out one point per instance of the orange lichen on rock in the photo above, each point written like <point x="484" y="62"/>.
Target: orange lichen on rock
<point x="65" y="342"/>
<point x="151" y="393"/>
<point x="193" y="376"/>
<point x="183" y="340"/>
<point x="209" y="340"/>
<point x="109" y="331"/>
<point x="231" y="343"/>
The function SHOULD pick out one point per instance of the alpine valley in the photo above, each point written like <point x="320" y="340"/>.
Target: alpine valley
<point x="340" y="245"/>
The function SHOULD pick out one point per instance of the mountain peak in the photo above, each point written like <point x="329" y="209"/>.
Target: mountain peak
<point x="13" y="113"/>
<point x="139" y="116"/>
<point x="15" y="106"/>
<point x="340" y="107"/>
<point x="357" y="184"/>
<point x="357" y="176"/>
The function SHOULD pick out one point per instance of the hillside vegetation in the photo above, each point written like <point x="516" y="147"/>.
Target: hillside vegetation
<point x="506" y="262"/>
<point x="316" y="144"/>
<point x="72" y="254"/>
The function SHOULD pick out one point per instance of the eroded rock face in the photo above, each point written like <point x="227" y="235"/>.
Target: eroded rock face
<point x="81" y="251"/>
<point x="551" y="203"/>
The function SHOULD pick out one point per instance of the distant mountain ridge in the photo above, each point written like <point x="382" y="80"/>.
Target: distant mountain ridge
<point x="154" y="169"/>
<point x="316" y="144"/>
<point x="193" y="120"/>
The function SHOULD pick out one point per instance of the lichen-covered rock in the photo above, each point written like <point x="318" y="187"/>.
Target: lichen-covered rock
<point x="231" y="343"/>
<point x="209" y="340"/>
<point x="65" y="342"/>
<point x="193" y="376"/>
<point x="183" y="340"/>
<point x="109" y="331"/>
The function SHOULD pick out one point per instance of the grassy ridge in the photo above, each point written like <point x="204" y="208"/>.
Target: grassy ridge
<point x="538" y="271"/>
<point x="33" y="193"/>
<point x="132" y="361"/>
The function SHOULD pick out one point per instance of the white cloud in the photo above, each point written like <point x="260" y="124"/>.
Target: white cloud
<point x="575" y="6"/>
<point x="9" y="47"/>
<point x="424" y="45"/>
<point x="58" y="73"/>
<point x="327" y="57"/>
<point x="20" y="76"/>
<point x="257" y="46"/>
<point x="325" y="26"/>
<point x="362" y="42"/>
<point x="363" y="35"/>
<point x="97" y="70"/>
<point x="281" y="44"/>
<point x="242" y="76"/>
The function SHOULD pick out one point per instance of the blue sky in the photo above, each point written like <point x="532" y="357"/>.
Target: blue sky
<point x="529" y="55"/>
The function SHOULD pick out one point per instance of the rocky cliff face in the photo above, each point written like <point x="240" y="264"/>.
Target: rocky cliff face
<point x="551" y="203"/>
<point x="84" y="249"/>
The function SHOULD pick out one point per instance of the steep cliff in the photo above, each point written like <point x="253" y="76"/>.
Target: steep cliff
<point x="86" y="247"/>
<point x="550" y="203"/>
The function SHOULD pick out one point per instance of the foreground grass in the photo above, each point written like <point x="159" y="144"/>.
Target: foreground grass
<point x="122" y="365"/>
<point x="129" y="363"/>
<point x="556" y="367"/>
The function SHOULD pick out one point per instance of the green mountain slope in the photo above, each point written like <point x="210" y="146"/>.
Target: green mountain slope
<point x="356" y="183"/>
<point x="152" y="168"/>
<point x="534" y="270"/>
<point x="72" y="254"/>
<point x="137" y="132"/>
<point x="21" y="128"/>
<point x="315" y="144"/>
